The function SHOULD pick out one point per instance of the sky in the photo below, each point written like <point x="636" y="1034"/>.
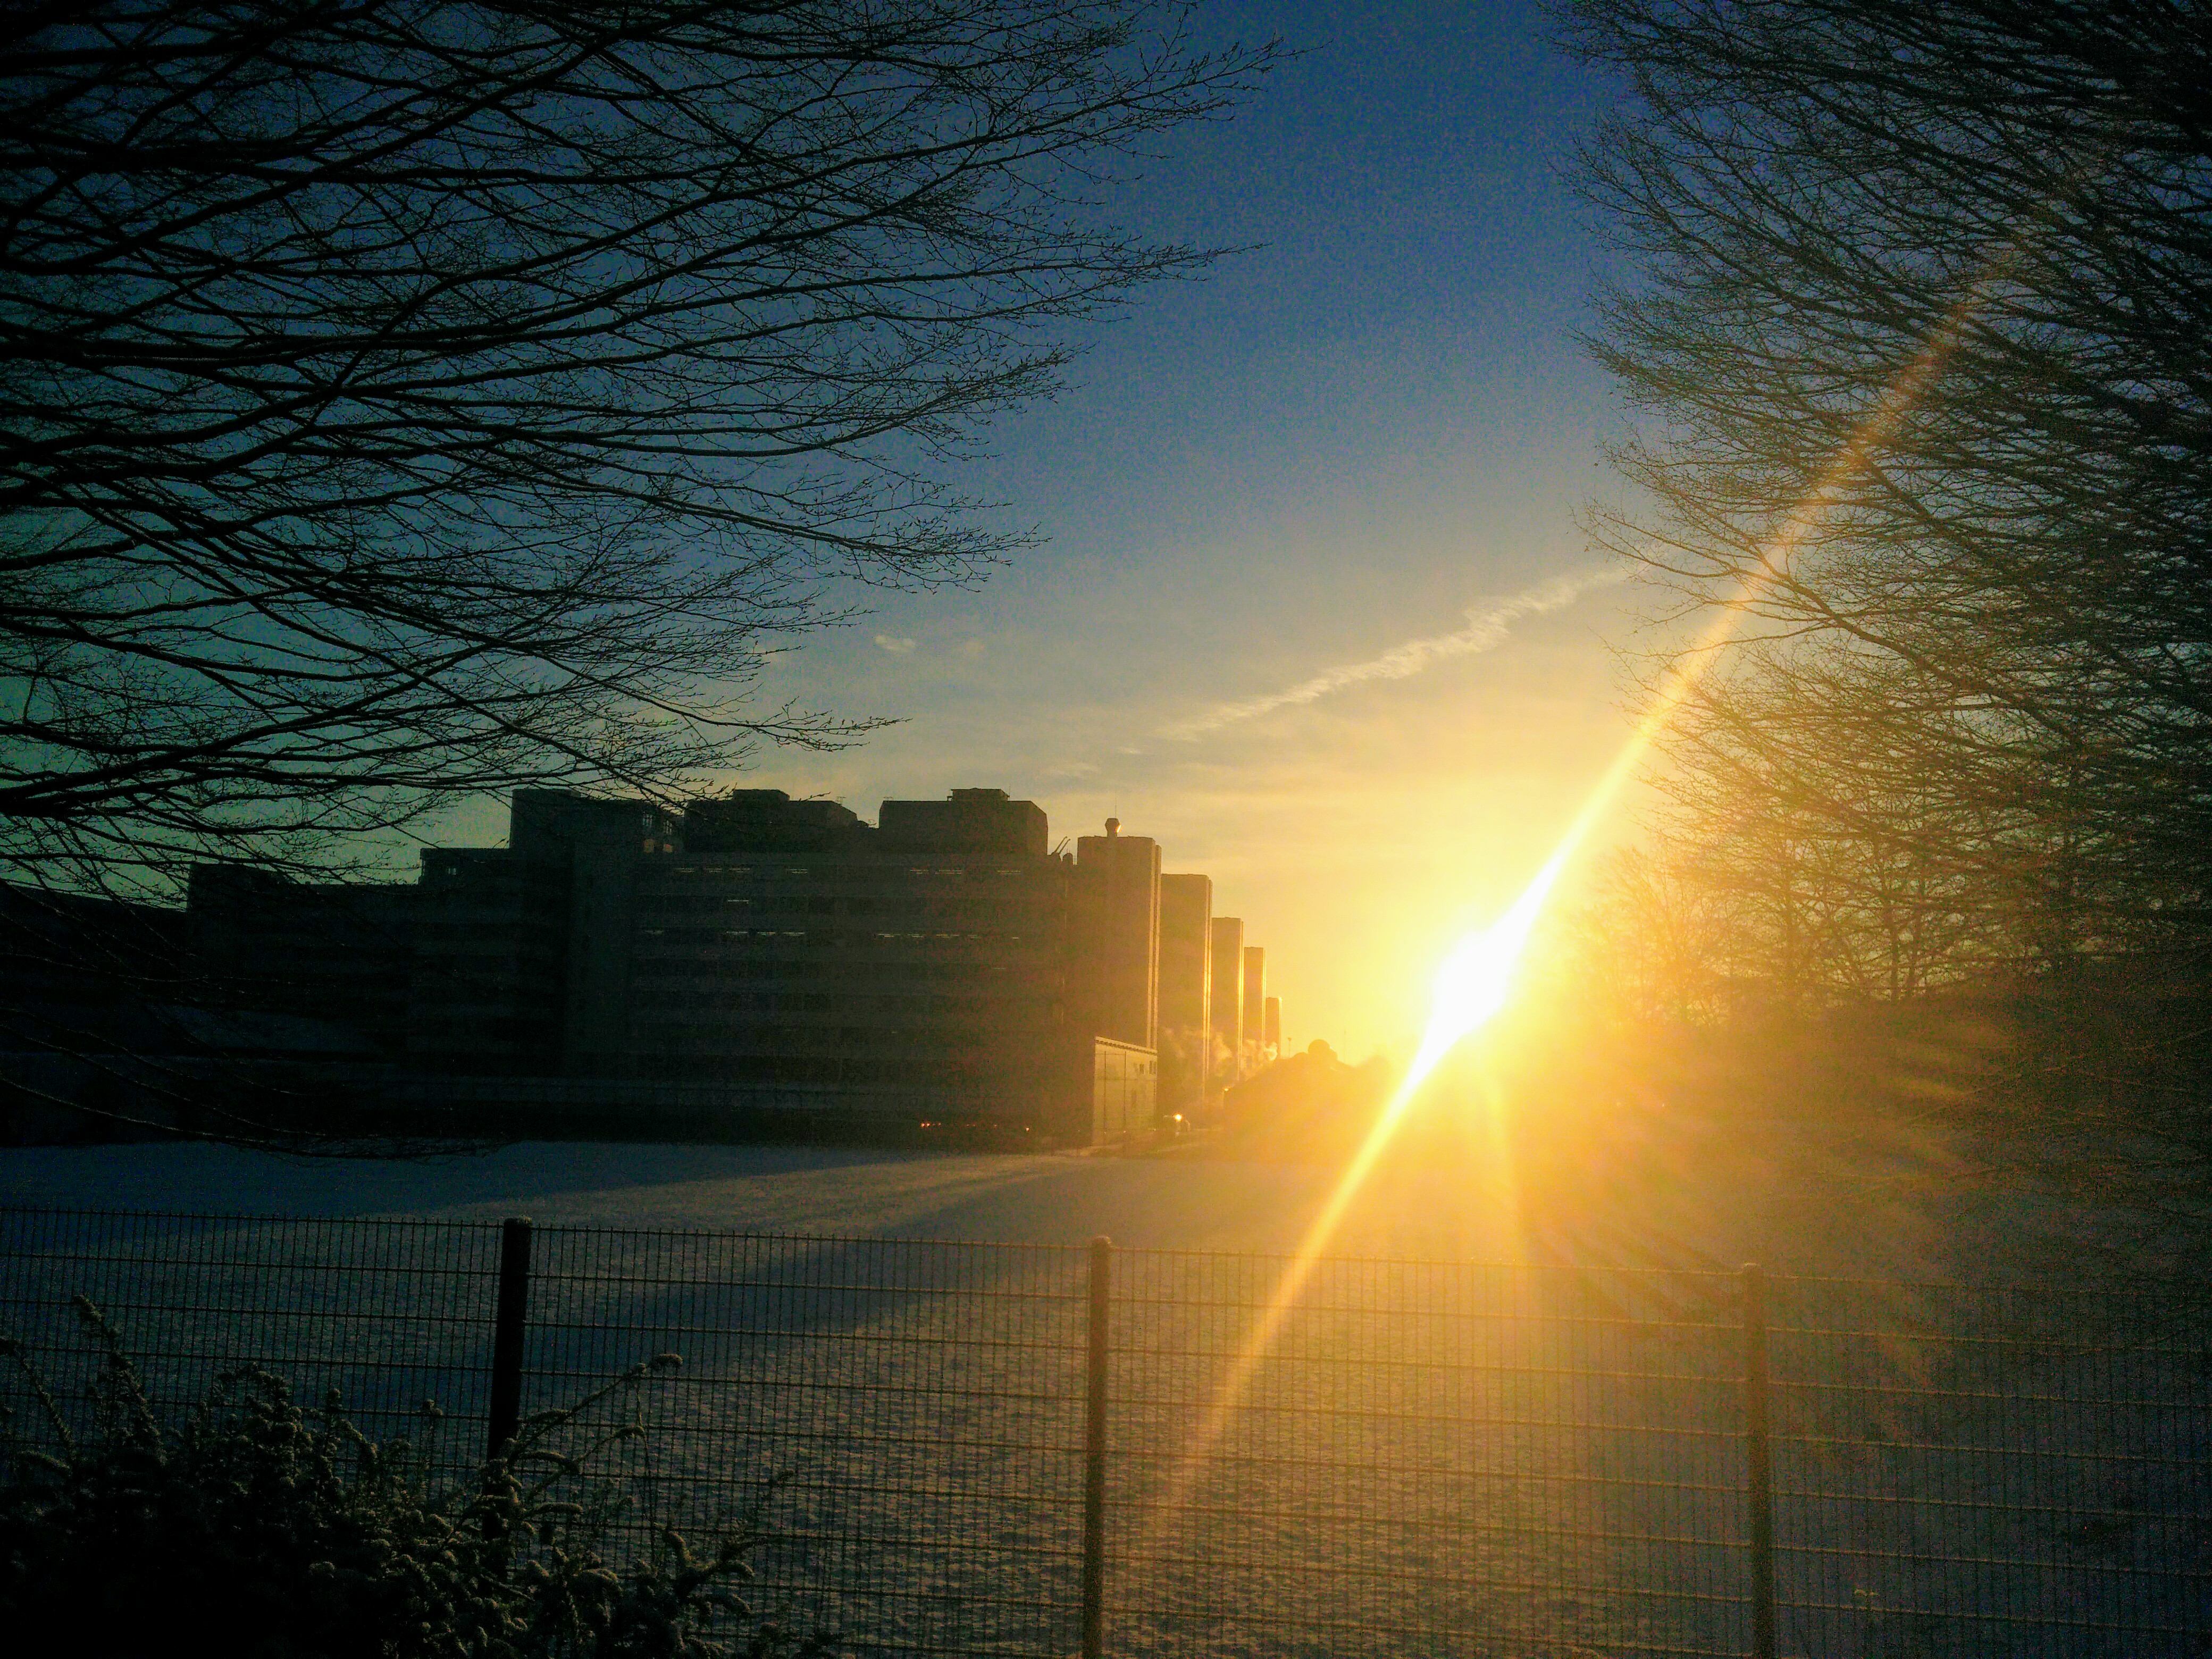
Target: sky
<point x="1312" y="607"/>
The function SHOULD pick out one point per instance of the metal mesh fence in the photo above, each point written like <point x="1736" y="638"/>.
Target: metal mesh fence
<point x="901" y="1421"/>
<point x="389" y="1314"/>
<point x="1992" y="1472"/>
<point x="1339" y="1457"/>
<point x="1424" y="1458"/>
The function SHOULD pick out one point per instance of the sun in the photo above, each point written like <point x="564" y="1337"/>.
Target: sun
<point x="1475" y="980"/>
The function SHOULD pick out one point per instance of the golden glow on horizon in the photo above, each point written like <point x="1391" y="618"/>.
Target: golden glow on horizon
<point x="1474" y="982"/>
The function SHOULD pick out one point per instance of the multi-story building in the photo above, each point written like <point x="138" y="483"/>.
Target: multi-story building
<point x="1186" y="994"/>
<point x="1113" y="920"/>
<point x="1273" y="1038"/>
<point x="1256" y="1006"/>
<point x="521" y="952"/>
<point x="782" y="955"/>
<point x="331" y="950"/>
<point x="794" y="945"/>
<point x="264" y="1004"/>
<point x="490" y="976"/>
<point x="771" y="959"/>
<point x="1228" y="964"/>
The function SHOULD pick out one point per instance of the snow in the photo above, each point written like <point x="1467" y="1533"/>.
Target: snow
<point x="1423" y="1463"/>
<point x="1410" y="1211"/>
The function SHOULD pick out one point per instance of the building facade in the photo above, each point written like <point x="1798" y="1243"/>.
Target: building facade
<point x="328" y="950"/>
<point x="939" y="968"/>
<point x="1228" y="993"/>
<point x="1255" y="1007"/>
<point x="1114" y="933"/>
<point x="754" y="954"/>
<point x="1186" y="994"/>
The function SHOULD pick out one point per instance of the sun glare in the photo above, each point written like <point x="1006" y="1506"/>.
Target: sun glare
<point x="1476" y="979"/>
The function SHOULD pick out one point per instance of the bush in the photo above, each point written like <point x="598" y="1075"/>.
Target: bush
<point x="266" y="1530"/>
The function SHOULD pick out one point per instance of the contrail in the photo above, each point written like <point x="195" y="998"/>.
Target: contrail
<point x="1485" y="629"/>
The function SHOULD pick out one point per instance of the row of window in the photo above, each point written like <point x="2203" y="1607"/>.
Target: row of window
<point x="832" y="937"/>
<point x="980" y="1045"/>
<point x="843" y="870"/>
<point x="700" y="909"/>
<point x="848" y="1072"/>
<point x="480" y="943"/>
<point x="443" y="989"/>
<point x="730" y="1000"/>
<point x="842" y="971"/>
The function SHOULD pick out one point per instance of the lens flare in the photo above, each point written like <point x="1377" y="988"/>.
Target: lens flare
<point x="1475" y="980"/>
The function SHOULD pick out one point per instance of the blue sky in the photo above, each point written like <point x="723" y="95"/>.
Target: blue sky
<point x="1337" y="444"/>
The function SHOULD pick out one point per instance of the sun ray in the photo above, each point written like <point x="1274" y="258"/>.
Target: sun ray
<point x="1474" y="981"/>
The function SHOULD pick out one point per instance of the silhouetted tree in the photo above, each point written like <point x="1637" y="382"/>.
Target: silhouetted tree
<point x="402" y="400"/>
<point x="1843" y="873"/>
<point x="406" y="398"/>
<point x="1637" y="949"/>
<point x="1917" y="320"/>
<point x="1921" y="318"/>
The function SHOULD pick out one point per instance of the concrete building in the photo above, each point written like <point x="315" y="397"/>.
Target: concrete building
<point x="522" y="956"/>
<point x="941" y="968"/>
<point x="489" y="985"/>
<point x="265" y="1006"/>
<point x="803" y="948"/>
<point x="1273" y="1040"/>
<point x="761" y="956"/>
<point x="1228" y="964"/>
<point x="1185" y="996"/>
<point x="1255" y="1005"/>
<point x="1114" y="924"/>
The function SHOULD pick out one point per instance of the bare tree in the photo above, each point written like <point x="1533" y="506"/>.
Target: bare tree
<point x="1920" y="329"/>
<point x="1639" y="949"/>
<point x="406" y="398"/>
<point x="1800" y="788"/>
<point x="1921" y="323"/>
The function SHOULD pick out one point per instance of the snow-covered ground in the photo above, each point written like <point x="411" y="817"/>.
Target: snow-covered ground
<point x="1431" y="1458"/>
<point x="1407" y="1208"/>
<point x="1142" y="1202"/>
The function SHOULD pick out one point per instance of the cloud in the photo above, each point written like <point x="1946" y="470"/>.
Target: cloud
<point x="1487" y="627"/>
<point x="969" y="648"/>
<point x="897" y="648"/>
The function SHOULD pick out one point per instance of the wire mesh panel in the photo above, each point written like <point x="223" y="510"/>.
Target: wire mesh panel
<point x="1329" y="1457"/>
<point x="902" y="1421"/>
<point x="386" y="1314"/>
<point x="1978" y="1471"/>
<point x="1394" y="1457"/>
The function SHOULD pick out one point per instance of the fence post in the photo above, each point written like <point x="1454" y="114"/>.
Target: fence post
<point x="1758" y="1458"/>
<point x="1094" y="1456"/>
<point x="509" y="1314"/>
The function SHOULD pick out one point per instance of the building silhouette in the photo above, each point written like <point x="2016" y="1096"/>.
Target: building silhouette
<point x="1255" y="1007"/>
<point x="758" y="957"/>
<point x="341" y="951"/>
<point x="1228" y="954"/>
<point x="1185" y="1040"/>
<point x="940" y="967"/>
<point x="1114" y="924"/>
